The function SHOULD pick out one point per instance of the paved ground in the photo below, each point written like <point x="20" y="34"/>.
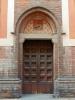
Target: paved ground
<point x="40" y="97"/>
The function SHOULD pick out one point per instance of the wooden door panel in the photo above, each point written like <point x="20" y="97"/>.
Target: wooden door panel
<point x="45" y="88"/>
<point x="27" y="87"/>
<point x="37" y="67"/>
<point x="34" y="87"/>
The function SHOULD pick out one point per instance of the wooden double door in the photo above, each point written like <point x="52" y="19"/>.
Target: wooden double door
<point x="37" y="66"/>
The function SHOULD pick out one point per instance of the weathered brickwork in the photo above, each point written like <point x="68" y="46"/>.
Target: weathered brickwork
<point x="10" y="88"/>
<point x="69" y="60"/>
<point x="54" y="6"/>
<point x="10" y="85"/>
<point x="7" y="61"/>
<point x="65" y="84"/>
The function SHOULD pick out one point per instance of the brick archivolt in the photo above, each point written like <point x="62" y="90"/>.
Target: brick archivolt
<point x="37" y="20"/>
<point x="37" y="23"/>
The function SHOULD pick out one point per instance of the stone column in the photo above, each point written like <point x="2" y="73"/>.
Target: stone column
<point x="55" y="56"/>
<point x="20" y="56"/>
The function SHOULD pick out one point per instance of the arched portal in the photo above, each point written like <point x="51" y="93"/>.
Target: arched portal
<point x="35" y="31"/>
<point x="37" y="23"/>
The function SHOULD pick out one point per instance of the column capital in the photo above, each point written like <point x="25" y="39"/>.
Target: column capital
<point x="55" y="38"/>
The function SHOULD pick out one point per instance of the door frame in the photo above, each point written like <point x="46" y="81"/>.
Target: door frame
<point x="55" y="37"/>
<point x="20" y="57"/>
<point x="52" y="64"/>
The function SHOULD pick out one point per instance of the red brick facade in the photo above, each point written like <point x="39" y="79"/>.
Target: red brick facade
<point x="36" y="20"/>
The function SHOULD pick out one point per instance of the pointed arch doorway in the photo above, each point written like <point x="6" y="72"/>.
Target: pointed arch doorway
<point x="37" y="66"/>
<point x="37" y="28"/>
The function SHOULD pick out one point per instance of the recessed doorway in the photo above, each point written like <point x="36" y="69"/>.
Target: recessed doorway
<point x="37" y="66"/>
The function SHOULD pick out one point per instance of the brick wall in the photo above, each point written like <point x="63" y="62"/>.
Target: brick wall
<point x="7" y="62"/>
<point x="69" y="61"/>
<point x="52" y="5"/>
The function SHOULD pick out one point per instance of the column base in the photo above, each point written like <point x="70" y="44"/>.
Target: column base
<point x="65" y="86"/>
<point x="10" y="88"/>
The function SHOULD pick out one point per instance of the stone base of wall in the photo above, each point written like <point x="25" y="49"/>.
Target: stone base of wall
<point x="10" y="88"/>
<point x="65" y="86"/>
